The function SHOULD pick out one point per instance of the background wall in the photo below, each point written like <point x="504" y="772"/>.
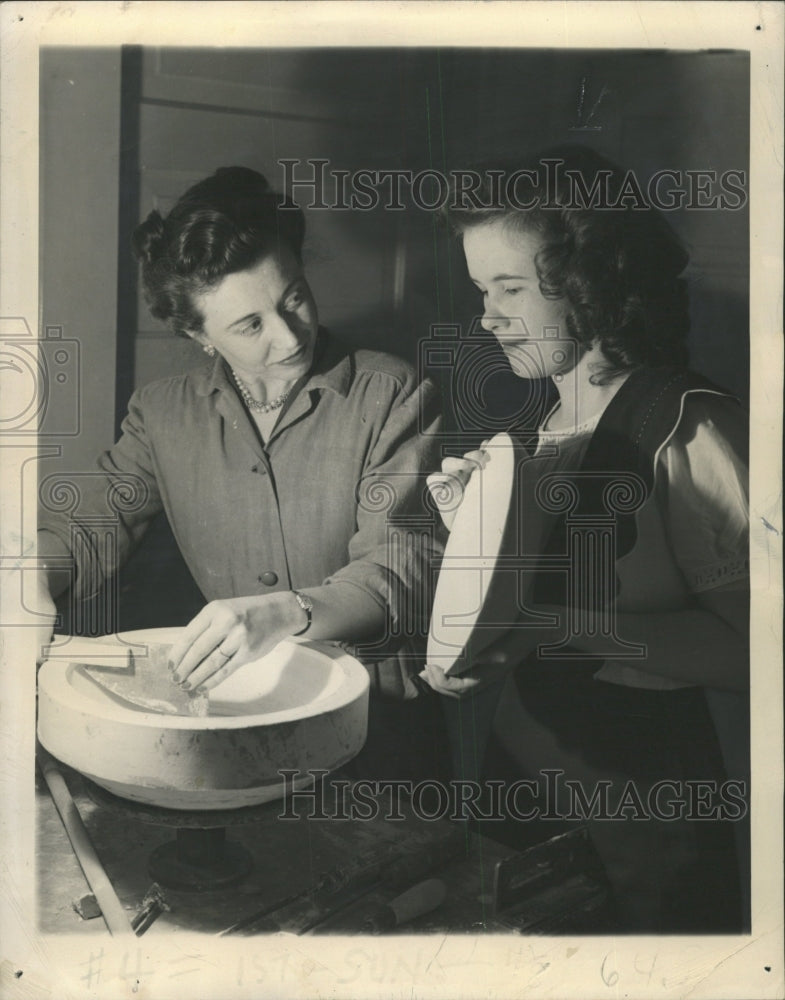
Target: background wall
<point x="123" y="133"/>
<point x="79" y="212"/>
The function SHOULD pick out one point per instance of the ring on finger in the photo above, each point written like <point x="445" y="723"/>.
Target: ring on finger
<point x="222" y="653"/>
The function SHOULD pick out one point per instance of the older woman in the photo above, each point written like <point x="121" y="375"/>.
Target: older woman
<point x="281" y="463"/>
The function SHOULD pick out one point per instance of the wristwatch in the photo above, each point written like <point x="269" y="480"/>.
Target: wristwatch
<point x="307" y="605"/>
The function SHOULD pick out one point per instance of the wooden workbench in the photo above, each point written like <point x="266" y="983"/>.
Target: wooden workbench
<point x="288" y="856"/>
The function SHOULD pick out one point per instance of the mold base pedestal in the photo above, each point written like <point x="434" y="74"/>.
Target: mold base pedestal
<point x="199" y="860"/>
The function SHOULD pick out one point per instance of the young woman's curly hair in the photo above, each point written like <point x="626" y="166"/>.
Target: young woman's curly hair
<point x="222" y="225"/>
<point x="615" y="262"/>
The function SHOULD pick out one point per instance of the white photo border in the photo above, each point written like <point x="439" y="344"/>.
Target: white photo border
<point x="443" y="965"/>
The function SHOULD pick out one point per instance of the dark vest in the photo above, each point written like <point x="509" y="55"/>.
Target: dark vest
<point x="616" y="477"/>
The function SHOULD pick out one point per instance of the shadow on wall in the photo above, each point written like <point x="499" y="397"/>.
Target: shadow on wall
<point x="719" y="338"/>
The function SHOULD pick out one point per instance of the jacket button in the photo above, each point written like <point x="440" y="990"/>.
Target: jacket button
<point x="269" y="579"/>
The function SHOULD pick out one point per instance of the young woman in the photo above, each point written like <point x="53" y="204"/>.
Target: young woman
<point x="592" y="298"/>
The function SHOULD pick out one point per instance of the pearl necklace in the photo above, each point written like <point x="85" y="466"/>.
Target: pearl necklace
<point x="254" y="404"/>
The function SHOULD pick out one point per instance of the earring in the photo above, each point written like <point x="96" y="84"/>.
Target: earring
<point x="209" y="350"/>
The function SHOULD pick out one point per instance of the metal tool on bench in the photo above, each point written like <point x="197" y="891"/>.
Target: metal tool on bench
<point x="415" y="902"/>
<point x="339" y="888"/>
<point x="361" y="875"/>
<point x="403" y="871"/>
<point x="153" y="905"/>
<point x="554" y="887"/>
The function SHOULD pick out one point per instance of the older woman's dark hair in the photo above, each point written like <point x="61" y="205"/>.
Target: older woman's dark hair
<point x="222" y="225"/>
<point x="614" y="260"/>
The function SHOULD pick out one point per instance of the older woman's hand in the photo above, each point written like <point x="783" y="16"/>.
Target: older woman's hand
<point x="226" y="634"/>
<point x="448" y="486"/>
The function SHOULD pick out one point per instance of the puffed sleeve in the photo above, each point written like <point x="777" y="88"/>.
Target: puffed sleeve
<point x="101" y="515"/>
<point x="397" y="542"/>
<point x="705" y="487"/>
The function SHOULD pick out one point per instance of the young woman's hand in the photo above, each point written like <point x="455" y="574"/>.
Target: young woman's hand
<point x="448" y="486"/>
<point x="497" y="659"/>
<point x="227" y="634"/>
<point x="480" y="676"/>
<point x="491" y="665"/>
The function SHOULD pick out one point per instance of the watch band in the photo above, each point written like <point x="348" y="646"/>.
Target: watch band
<point x="307" y="605"/>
